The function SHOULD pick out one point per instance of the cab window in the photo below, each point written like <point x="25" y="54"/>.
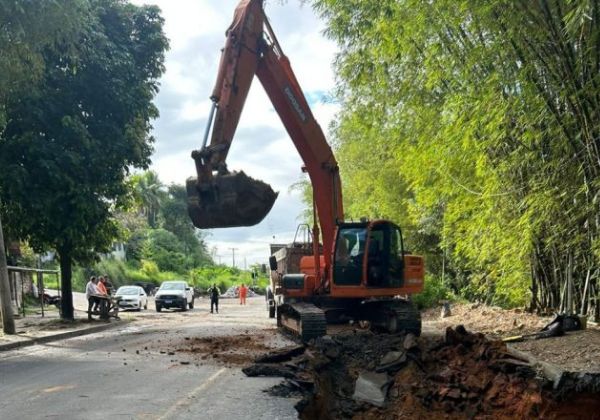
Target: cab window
<point x="349" y="256"/>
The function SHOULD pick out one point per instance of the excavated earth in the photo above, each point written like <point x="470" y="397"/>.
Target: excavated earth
<point x="361" y="375"/>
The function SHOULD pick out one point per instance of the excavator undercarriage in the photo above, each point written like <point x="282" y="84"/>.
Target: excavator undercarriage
<point x="305" y="320"/>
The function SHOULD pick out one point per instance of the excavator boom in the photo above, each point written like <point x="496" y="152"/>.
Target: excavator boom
<point x="219" y="198"/>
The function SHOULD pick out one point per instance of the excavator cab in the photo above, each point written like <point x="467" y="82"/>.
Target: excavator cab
<point x="369" y="254"/>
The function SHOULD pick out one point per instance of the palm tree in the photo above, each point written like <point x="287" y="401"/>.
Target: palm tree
<point x="149" y="193"/>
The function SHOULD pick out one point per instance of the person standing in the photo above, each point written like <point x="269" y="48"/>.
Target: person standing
<point x="102" y="287"/>
<point x="91" y="292"/>
<point x="108" y="284"/>
<point x="214" y="293"/>
<point x="101" y="292"/>
<point x="243" y="290"/>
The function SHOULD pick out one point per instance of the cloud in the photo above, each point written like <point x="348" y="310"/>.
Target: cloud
<point x="262" y="148"/>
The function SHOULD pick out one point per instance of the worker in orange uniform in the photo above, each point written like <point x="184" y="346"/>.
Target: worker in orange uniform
<point x="243" y="290"/>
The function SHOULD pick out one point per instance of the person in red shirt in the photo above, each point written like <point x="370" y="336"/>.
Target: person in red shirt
<point x="243" y="290"/>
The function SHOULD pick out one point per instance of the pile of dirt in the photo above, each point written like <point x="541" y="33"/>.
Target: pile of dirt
<point x="228" y="350"/>
<point x="359" y="374"/>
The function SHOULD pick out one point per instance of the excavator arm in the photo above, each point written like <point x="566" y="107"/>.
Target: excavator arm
<point x="219" y="198"/>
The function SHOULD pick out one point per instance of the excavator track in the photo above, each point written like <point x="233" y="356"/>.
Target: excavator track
<point x="394" y="316"/>
<point x="303" y="320"/>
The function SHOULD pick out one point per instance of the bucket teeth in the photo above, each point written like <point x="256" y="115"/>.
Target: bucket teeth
<point x="230" y="200"/>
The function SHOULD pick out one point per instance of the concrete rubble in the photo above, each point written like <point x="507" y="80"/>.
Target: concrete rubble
<point x="371" y="387"/>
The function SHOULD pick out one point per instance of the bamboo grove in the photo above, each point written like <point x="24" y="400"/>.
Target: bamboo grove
<point x="476" y="125"/>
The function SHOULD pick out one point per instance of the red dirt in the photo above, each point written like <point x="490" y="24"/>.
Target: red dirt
<point x="229" y="350"/>
<point x="463" y="375"/>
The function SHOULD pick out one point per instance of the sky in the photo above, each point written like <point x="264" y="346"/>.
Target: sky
<point x="261" y="147"/>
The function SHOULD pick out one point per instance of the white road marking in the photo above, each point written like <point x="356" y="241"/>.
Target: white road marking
<point x="186" y="399"/>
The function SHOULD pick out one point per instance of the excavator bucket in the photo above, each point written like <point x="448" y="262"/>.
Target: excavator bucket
<point x="229" y="200"/>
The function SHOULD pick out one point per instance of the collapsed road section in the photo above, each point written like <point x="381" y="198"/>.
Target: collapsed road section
<point x="358" y="374"/>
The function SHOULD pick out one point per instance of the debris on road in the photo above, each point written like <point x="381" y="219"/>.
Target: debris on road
<point x="358" y="374"/>
<point x="281" y="355"/>
<point x="233" y="292"/>
<point x="230" y="350"/>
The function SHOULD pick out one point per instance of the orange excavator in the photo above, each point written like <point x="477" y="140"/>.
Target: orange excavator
<point x="350" y="270"/>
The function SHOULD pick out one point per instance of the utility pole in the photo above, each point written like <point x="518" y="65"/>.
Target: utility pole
<point x="233" y="256"/>
<point x="8" y="322"/>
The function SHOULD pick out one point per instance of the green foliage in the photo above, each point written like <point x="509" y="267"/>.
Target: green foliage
<point x="71" y="139"/>
<point x="157" y="227"/>
<point x="475" y="125"/>
<point x="434" y="293"/>
<point x="149" y="193"/>
<point x="28" y="29"/>
<point x="165" y="249"/>
<point x="223" y="276"/>
<point x="150" y="269"/>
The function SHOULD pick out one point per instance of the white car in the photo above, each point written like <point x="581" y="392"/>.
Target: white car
<point x="132" y="297"/>
<point x="174" y="294"/>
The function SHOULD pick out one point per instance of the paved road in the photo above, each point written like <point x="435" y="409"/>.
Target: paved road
<point x="128" y="372"/>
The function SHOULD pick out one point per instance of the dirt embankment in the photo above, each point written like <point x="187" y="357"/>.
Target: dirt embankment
<point x="576" y="351"/>
<point x="492" y="321"/>
<point x="361" y="375"/>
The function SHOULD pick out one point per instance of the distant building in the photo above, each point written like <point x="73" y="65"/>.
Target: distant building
<point x="117" y="252"/>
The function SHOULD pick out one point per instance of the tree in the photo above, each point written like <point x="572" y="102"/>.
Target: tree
<point x="70" y="140"/>
<point x="481" y="124"/>
<point x="165" y="249"/>
<point x="176" y="220"/>
<point x="149" y="193"/>
<point x="29" y="28"/>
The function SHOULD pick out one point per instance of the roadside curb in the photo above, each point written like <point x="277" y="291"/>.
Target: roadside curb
<point x="61" y="336"/>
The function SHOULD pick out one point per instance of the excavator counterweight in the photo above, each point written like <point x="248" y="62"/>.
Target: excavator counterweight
<point x="229" y="200"/>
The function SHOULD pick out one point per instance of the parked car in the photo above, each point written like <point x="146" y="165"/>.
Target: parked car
<point x="174" y="294"/>
<point x="132" y="297"/>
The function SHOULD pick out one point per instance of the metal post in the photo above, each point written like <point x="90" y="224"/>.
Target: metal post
<point x="22" y="293"/>
<point x="40" y="287"/>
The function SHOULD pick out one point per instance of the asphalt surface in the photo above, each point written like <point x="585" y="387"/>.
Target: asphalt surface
<point x="136" y="372"/>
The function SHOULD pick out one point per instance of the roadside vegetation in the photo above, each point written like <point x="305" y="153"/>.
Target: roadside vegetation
<point x="481" y="121"/>
<point x="161" y="243"/>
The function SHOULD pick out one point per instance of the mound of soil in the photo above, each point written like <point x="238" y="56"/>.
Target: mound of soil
<point x="461" y="375"/>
